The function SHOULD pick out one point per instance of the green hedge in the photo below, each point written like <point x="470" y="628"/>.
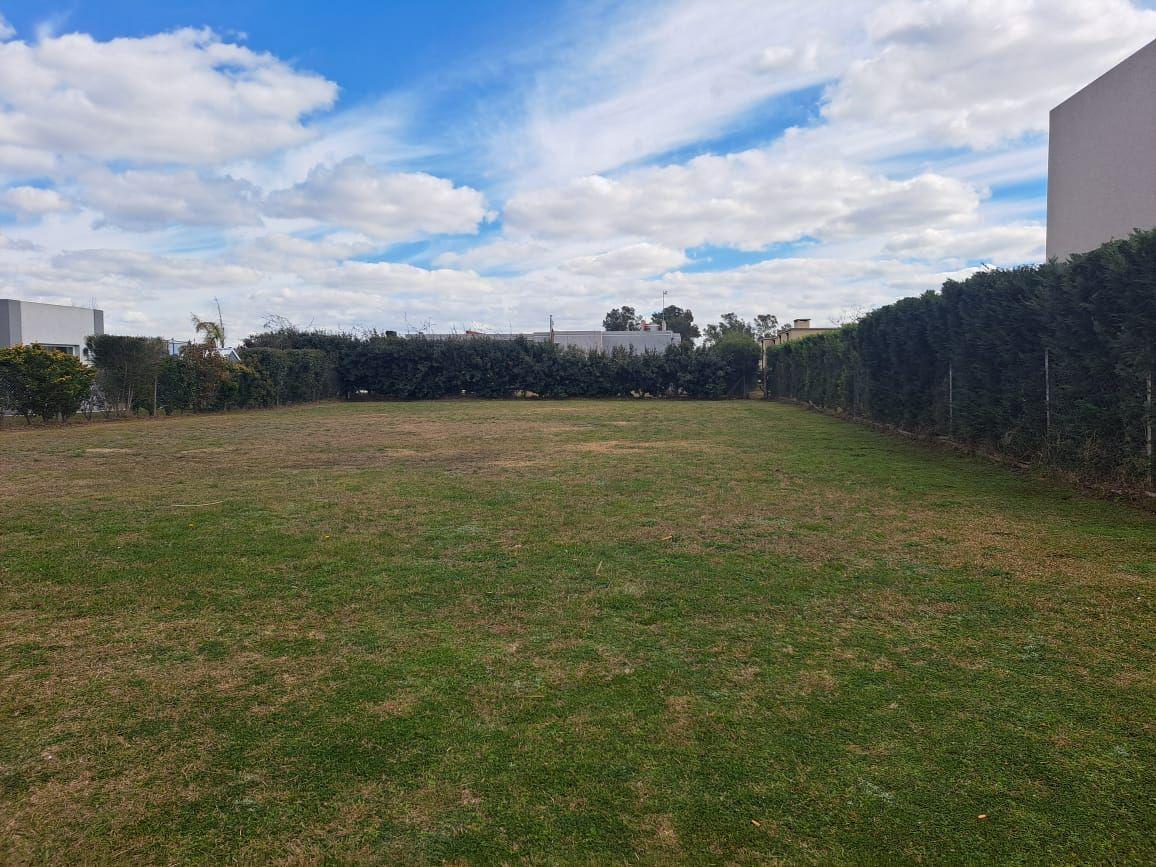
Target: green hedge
<point x="969" y="362"/>
<point x="138" y="374"/>
<point x="387" y="366"/>
<point x="42" y="382"/>
<point x="200" y="379"/>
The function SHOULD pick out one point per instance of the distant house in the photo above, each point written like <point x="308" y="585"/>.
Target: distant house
<point x="229" y="353"/>
<point x="175" y="346"/>
<point x="652" y="338"/>
<point x="800" y="329"/>
<point x="53" y="326"/>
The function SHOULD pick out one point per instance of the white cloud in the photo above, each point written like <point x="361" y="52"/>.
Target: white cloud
<point x="747" y="200"/>
<point x="523" y="254"/>
<point x="289" y="253"/>
<point x="143" y="200"/>
<point x="16" y="162"/>
<point x="605" y="257"/>
<point x="383" y="295"/>
<point x="7" y="31"/>
<point x="785" y="58"/>
<point x="375" y="132"/>
<point x="384" y="205"/>
<point x="387" y="278"/>
<point x="980" y="72"/>
<point x="635" y="260"/>
<point x="185" y="96"/>
<point x="816" y="288"/>
<point x="1004" y="245"/>
<point x="155" y="274"/>
<point x="33" y="202"/>
<point x="670" y="74"/>
<point x="17" y="244"/>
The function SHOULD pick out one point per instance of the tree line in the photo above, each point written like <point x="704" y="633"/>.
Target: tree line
<point x="1050" y="363"/>
<point x="131" y="375"/>
<point x="681" y="321"/>
<point x="419" y="368"/>
<point x="135" y="374"/>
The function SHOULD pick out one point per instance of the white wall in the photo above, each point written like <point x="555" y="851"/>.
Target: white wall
<point x="585" y="340"/>
<point x="1102" y="159"/>
<point x="639" y="341"/>
<point x="607" y="341"/>
<point x="56" y="325"/>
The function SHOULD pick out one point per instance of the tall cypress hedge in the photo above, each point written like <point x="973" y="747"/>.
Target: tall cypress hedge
<point x="1049" y="363"/>
<point x="416" y="368"/>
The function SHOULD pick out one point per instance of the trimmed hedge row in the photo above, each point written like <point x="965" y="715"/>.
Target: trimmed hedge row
<point x="1050" y="363"/>
<point x="421" y="369"/>
<point x="289" y="366"/>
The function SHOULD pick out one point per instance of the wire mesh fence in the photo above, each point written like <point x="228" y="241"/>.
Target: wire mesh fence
<point x="1051" y="364"/>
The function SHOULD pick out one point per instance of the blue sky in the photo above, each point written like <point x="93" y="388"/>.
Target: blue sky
<point x="367" y="47"/>
<point x="457" y="164"/>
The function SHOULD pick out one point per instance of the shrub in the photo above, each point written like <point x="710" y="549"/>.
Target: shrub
<point x="42" y="382"/>
<point x="127" y="369"/>
<point x="177" y="385"/>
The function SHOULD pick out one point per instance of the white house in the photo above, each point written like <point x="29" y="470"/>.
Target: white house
<point x="53" y="326"/>
<point x="229" y="353"/>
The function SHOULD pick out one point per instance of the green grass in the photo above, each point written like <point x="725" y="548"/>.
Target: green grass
<point x="579" y="631"/>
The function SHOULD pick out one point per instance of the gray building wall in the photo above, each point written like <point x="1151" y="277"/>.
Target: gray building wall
<point x="9" y="322"/>
<point x="48" y="324"/>
<point x="572" y="339"/>
<point x="637" y="342"/>
<point x="1102" y="159"/>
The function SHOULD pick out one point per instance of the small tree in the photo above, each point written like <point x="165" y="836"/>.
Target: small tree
<point x="11" y="383"/>
<point x="730" y="323"/>
<point x="210" y="373"/>
<point x="44" y="382"/>
<point x="622" y="319"/>
<point x="765" y="325"/>
<point x="739" y="354"/>
<point x="679" y="320"/>
<point x="177" y="385"/>
<point x="214" y="332"/>
<point x="128" y="369"/>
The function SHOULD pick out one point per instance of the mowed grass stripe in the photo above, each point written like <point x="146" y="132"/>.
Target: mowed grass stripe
<point x="575" y="631"/>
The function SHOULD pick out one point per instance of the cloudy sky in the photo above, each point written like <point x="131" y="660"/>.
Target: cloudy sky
<point x="456" y="163"/>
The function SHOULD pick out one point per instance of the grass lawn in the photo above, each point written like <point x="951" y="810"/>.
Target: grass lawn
<point x="574" y="631"/>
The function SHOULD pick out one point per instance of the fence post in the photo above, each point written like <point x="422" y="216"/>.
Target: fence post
<point x="766" y="373"/>
<point x="950" y="399"/>
<point x="1148" y="431"/>
<point x="1047" y="395"/>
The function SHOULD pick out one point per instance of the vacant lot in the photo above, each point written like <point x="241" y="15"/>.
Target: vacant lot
<point x="563" y="631"/>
